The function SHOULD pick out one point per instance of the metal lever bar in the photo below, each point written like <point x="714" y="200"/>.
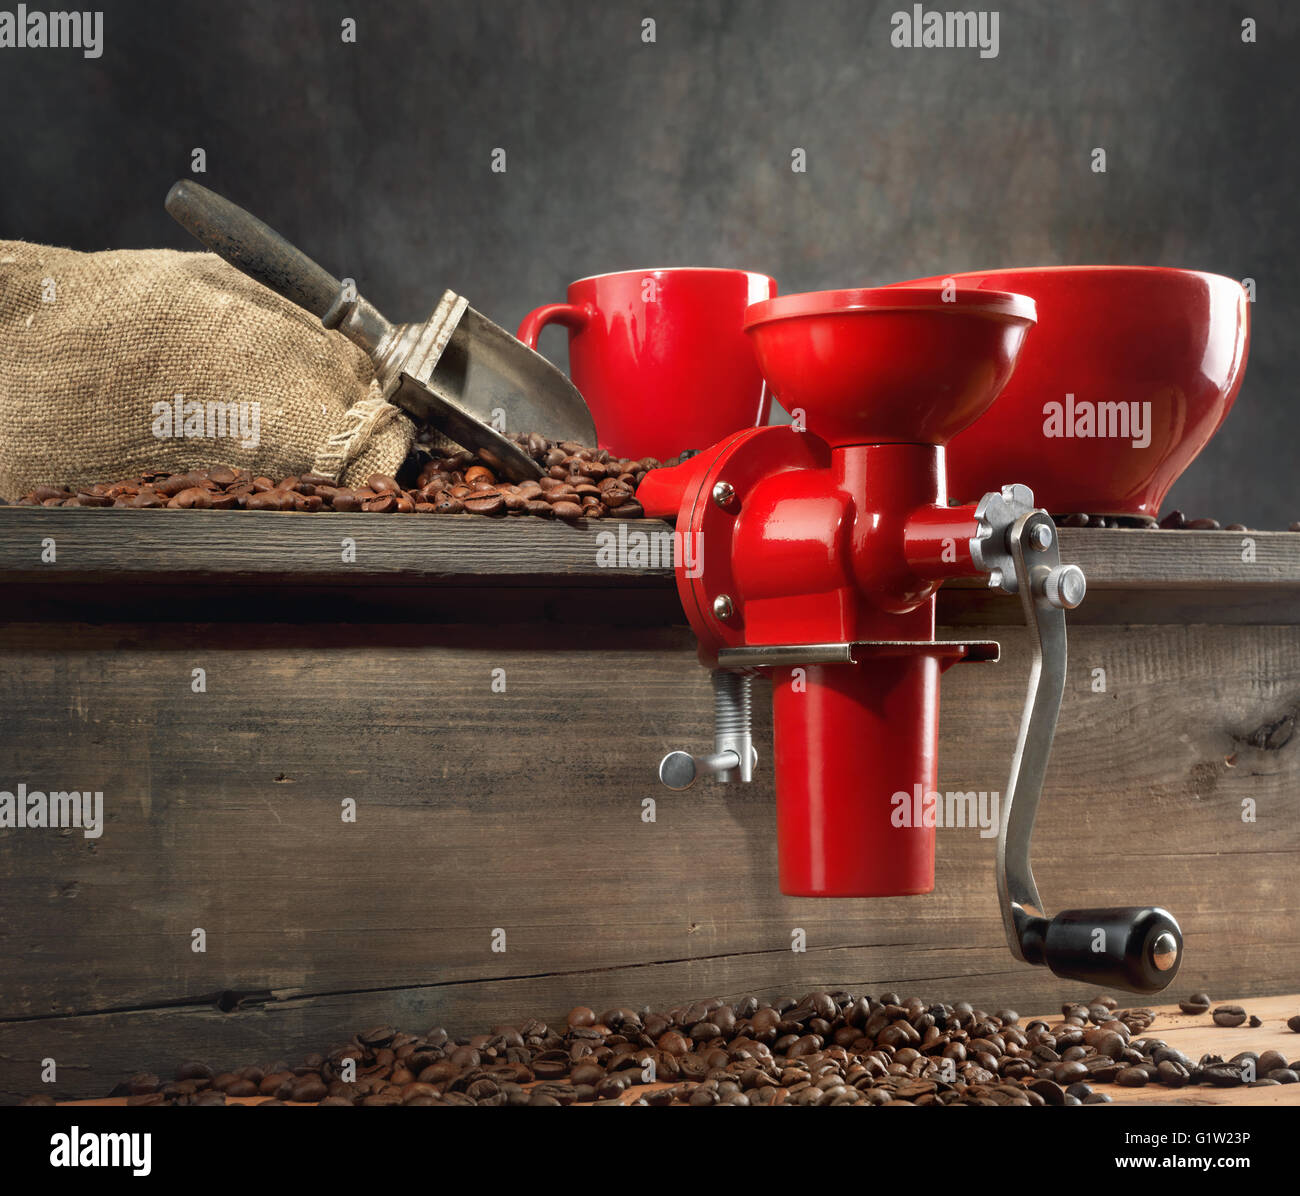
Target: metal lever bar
<point x="1137" y="948"/>
<point x="1017" y="892"/>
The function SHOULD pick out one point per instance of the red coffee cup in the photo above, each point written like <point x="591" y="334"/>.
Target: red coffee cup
<point x="661" y="356"/>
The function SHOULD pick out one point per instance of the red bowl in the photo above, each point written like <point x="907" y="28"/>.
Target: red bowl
<point x="889" y="365"/>
<point x="1152" y="359"/>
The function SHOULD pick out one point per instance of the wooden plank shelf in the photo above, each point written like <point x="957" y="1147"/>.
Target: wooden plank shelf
<point x="372" y="681"/>
<point x="1133" y="575"/>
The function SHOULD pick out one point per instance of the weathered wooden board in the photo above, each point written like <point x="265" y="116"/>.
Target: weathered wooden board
<point x="229" y="545"/>
<point x="523" y="811"/>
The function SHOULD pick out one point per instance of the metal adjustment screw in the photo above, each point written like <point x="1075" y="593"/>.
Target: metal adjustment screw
<point x="1040" y="537"/>
<point x="1065" y="586"/>
<point x="724" y="494"/>
<point x="733" y="757"/>
<point x="1164" y="951"/>
<point x="723" y="608"/>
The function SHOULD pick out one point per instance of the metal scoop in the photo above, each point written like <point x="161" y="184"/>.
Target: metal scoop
<point x="458" y="371"/>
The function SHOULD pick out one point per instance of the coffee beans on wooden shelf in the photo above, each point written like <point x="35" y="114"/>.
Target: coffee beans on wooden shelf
<point x="577" y="483"/>
<point x="827" y="1048"/>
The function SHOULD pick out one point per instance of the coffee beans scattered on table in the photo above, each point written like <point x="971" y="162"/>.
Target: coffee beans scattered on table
<point x="1229" y="1015"/>
<point x="828" y="1048"/>
<point x="577" y="483"/>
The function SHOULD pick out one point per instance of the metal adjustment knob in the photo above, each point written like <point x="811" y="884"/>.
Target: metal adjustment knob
<point x="733" y="755"/>
<point x="1065" y="586"/>
<point x="680" y="770"/>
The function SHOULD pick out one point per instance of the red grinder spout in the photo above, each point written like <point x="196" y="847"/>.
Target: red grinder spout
<point x="853" y="742"/>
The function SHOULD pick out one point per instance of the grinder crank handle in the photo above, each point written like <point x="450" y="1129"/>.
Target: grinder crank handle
<point x="252" y="247"/>
<point x="1138" y="948"/>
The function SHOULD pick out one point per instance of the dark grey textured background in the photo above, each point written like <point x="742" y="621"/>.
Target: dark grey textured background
<point x="375" y="157"/>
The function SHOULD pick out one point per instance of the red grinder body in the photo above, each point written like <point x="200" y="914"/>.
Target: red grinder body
<point x="818" y="553"/>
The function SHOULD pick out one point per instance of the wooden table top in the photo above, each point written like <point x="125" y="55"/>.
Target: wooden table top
<point x="1194" y="1035"/>
<point x="229" y="547"/>
<point x="154" y="564"/>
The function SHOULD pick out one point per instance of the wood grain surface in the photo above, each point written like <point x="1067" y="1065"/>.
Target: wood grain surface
<point x="523" y="811"/>
<point x="444" y="548"/>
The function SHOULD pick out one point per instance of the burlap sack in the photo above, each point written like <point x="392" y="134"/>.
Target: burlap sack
<point x="95" y="349"/>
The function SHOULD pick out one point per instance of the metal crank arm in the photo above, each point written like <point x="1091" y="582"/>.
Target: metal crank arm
<point x="1138" y="948"/>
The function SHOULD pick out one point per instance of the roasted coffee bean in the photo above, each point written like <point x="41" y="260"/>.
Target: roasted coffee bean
<point x="308" y="1090"/>
<point x="1270" y="1061"/>
<point x="1171" y="1074"/>
<point x="492" y="504"/>
<point x="1132" y="1077"/>
<point x="1052" y="1093"/>
<point x="1196" y="1003"/>
<point x="1229" y="1015"/>
<point x="1070" y="1071"/>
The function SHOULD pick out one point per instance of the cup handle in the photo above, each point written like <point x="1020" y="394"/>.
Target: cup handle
<point x="572" y="315"/>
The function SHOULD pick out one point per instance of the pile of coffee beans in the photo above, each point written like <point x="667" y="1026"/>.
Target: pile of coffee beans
<point x="1079" y="519"/>
<point x="577" y="483"/>
<point x="1178" y="522"/>
<point x="1174" y="521"/>
<point x="828" y="1048"/>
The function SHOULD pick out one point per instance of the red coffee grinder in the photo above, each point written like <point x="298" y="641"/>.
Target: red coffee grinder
<point x="815" y="554"/>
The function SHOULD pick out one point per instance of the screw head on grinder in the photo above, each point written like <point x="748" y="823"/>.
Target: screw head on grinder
<point x="724" y="494"/>
<point x="1065" y="586"/>
<point x="723" y="608"/>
